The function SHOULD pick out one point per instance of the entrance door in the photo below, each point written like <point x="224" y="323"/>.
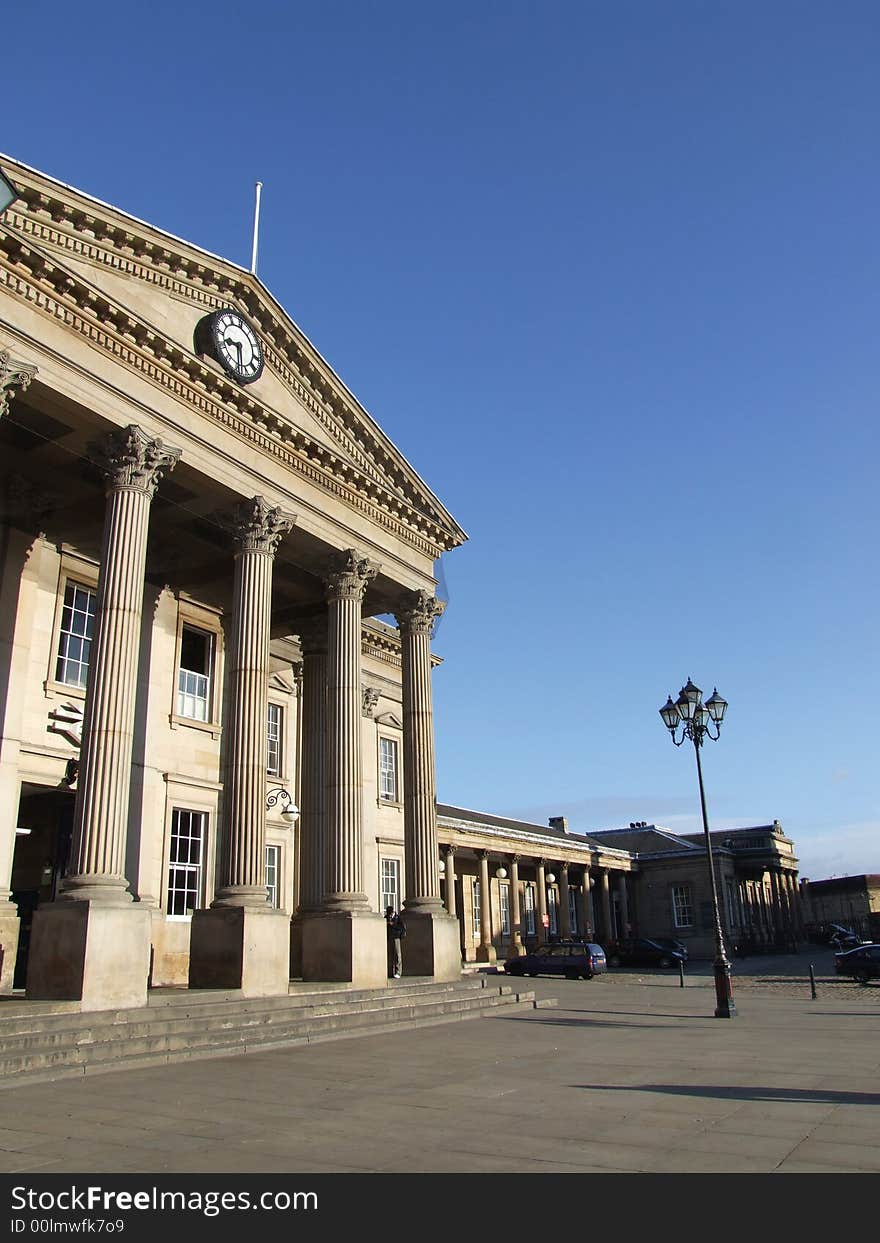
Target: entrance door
<point x="40" y="861"/>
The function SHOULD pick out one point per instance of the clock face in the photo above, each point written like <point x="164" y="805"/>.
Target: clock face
<point x="236" y="346"/>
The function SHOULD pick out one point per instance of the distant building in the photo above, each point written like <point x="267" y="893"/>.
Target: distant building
<point x="853" y="901"/>
<point x="643" y="880"/>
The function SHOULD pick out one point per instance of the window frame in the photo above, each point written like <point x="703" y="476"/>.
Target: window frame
<point x="681" y="904"/>
<point x="385" y="893"/>
<point x="477" y="905"/>
<point x="83" y="574"/>
<point x="529" y="907"/>
<point x="191" y="616"/>
<point x="275" y="849"/>
<point x="386" y="800"/>
<point x="278" y="771"/>
<point x="504" y="906"/>
<point x="184" y="866"/>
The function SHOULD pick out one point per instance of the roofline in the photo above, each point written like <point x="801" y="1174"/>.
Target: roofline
<point x="284" y="314"/>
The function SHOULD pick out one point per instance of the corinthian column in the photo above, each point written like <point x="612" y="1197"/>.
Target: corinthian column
<point x="345" y="940"/>
<point x="257" y="529"/>
<point x="346" y="585"/>
<point x="132" y="463"/>
<point x="515" y="908"/>
<point x="242" y="942"/>
<point x="14" y="378"/>
<point x="416" y="621"/>
<point x="312" y="819"/>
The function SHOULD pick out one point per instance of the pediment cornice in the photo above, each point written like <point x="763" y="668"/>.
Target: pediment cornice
<point x="366" y="470"/>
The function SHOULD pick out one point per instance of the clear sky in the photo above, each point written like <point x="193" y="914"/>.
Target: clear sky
<point x="608" y="274"/>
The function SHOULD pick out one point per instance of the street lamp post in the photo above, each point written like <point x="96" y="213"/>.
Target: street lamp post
<point x="696" y="719"/>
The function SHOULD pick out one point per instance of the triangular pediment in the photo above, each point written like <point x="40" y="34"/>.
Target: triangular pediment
<point x="388" y="718"/>
<point x="150" y="290"/>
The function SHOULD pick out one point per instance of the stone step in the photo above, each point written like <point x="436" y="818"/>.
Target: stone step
<point x="24" y="1016"/>
<point x="88" y="1047"/>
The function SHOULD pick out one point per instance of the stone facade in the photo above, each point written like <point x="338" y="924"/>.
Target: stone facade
<point x="194" y="572"/>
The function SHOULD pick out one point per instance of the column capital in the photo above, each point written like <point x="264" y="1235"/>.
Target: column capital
<point x="14" y="376"/>
<point x="564" y="866"/>
<point x="257" y="526"/>
<point x="130" y="459"/>
<point x="514" y="858"/>
<point x="450" y="849"/>
<point x="482" y="854"/>
<point x="418" y="613"/>
<point x="349" y="575"/>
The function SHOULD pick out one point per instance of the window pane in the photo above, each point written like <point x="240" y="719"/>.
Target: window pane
<point x="77" y="625"/>
<point x="193" y="679"/>
<point x="273" y="740"/>
<point x="388" y="769"/>
<point x="185" y="860"/>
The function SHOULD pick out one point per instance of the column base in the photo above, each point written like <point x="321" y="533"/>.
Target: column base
<point x="240" y="947"/>
<point x="431" y="945"/>
<point x="84" y="951"/>
<point x="10" y="926"/>
<point x="486" y="953"/>
<point x="345" y="945"/>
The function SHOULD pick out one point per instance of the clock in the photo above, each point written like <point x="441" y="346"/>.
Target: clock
<point x="227" y="336"/>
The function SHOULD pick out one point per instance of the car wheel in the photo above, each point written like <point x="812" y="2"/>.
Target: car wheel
<point x="614" y="961"/>
<point x="861" y="977"/>
<point x="588" y="976"/>
<point x="533" y="973"/>
<point x="665" y="962"/>
<point x="572" y="975"/>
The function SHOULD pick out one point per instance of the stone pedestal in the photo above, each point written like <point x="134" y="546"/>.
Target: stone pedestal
<point x="351" y="946"/>
<point x="240" y="947"/>
<point x="431" y="946"/>
<point x="90" y="952"/>
<point x="9" y="929"/>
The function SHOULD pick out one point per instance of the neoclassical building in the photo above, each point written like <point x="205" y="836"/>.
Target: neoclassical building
<point x="218" y="594"/>
<point x="511" y="884"/>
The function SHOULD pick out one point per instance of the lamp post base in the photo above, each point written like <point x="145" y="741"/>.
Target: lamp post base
<point x="724" y="1003"/>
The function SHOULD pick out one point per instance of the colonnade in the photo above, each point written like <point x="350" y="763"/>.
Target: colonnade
<point x="93" y="943"/>
<point x="592" y="887"/>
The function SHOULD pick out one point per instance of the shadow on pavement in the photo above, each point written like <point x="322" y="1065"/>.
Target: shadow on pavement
<point x="821" y="1096"/>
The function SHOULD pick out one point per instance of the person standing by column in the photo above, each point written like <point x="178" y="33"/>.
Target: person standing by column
<point x="396" y="933"/>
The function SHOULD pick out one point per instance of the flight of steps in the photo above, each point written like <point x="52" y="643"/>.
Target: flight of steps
<point x="54" y="1040"/>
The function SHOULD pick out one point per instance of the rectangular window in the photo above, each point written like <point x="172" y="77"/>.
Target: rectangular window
<point x="274" y="723"/>
<point x="388" y="770"/>
<point x="476" y="893"/>
<point x="682" y="906"/>
<point x="185" y="861"/>
<point x="75" y="635"/>
<point x="551" y="910"/>
<point x="730" y="902"/>
<point x="573" y="911"/>
<point x="529" y="903"/>
<point x="194" y="675"/>
<point x="504" y="893"/>
<point x="389" y="883"/>
<point x="273" y="859"/>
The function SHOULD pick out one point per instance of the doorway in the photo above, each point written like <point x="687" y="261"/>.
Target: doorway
<point x="40" y="860"/>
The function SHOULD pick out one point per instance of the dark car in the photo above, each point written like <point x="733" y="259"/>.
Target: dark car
<point x="862" y="963"/>
<point x="571" y="959"/>
<point x="644" y="952"/>
<point x="844" y="938"/>
<point x="671" y="943"/>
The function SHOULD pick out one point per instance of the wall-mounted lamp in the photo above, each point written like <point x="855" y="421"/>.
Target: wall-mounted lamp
<point x="501" y="873"/>
<point x="551" y="878"/>
<point x="442" y="867"/>
<point x="277" y="795"/>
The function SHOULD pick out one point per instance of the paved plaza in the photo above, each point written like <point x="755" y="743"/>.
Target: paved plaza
<point x="625" y="1073"/>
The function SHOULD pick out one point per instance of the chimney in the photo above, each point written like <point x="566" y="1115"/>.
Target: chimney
<point x="559" y="822"/>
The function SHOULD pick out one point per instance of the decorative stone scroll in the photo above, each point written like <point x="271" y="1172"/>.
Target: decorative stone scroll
<point x="129" y="458"/>
<point x="14" y="377"/>
<point x="369" y="699"/>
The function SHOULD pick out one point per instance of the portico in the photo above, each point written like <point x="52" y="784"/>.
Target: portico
<point x="246" y="534"/>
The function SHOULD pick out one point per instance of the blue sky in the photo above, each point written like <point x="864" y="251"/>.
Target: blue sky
<point x="608" y="275"/>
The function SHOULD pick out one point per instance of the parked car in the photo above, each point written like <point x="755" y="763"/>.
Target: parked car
<point x="844" y="938"/>
<point x="571" y="959"/>
<point x="671" y="943"/>
<point x="862" y="963"/>
<point x="644" y="952"/>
